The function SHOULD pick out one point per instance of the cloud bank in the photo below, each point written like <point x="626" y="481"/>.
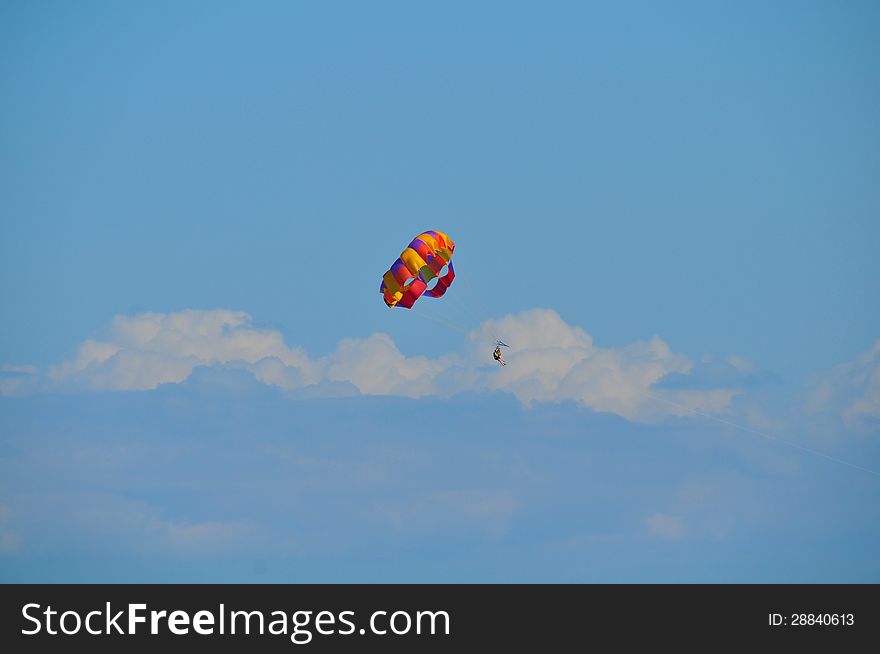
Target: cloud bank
<point x="190" y="449"/>
<point x="849" y="392"/>
<point x="551" y="361"/>
<point x="210" y="482"/>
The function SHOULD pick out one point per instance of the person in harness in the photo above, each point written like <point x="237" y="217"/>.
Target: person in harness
<point x="497" y="353"/>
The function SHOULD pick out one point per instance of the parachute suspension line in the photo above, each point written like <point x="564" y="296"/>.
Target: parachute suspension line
<point x="750" y="430"/>
<point x="467" y="307"/>
<point x="451" y="301"/>
<point x="442" y="321"/>
<point x="456" y="302"/>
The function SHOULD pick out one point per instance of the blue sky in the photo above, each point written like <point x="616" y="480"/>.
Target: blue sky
<point x="670" y="212"/>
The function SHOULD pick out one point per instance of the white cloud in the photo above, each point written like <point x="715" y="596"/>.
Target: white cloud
<point x="740" y="363"/>
<point x="665" y="526"/>
<point x="376" y="367"/>
<point x="24" y="370"/>
<point x="124" y="522"/>
<point x="550" y="361"/>
<point x="142" y="351"/>
<point x="18" y="380"/>
<point x="850" y="392"/>
<point x="555" y="361"/>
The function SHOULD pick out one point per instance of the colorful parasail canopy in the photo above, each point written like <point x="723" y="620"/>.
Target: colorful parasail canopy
<point x="421" y="262"/>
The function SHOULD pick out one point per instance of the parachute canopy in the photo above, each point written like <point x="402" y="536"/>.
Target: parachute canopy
<point x="420" y="263"/>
